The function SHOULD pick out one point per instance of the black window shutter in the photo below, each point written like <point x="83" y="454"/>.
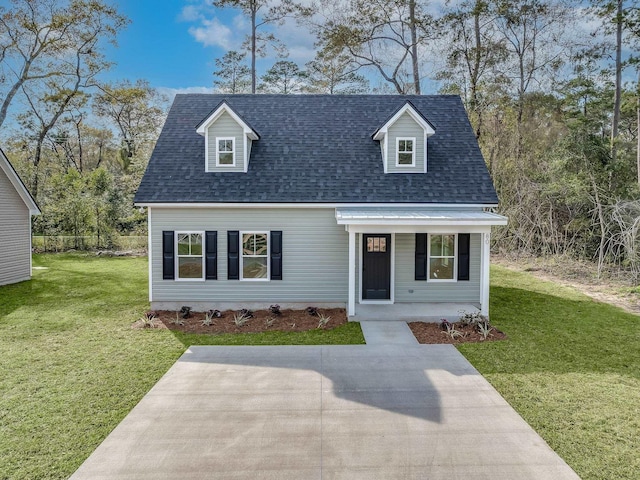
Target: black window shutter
<point x="168" y="262"/>
<point x="211" y="255"/>
<point x="276" y="255"/>
<point x="421" y="256"/>
<point x="464" y="248"/>
<point x="233" y="255"/>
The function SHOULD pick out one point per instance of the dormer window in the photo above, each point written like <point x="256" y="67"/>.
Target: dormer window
<point x="227" y="140"/>
<point x="405" y="152"/>
<point x="226" y="152"/>
<point x="403" y="141"/>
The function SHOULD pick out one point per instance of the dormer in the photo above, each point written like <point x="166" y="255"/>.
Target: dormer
<point x="403" y="141"/>
<point x="227" y="140"/>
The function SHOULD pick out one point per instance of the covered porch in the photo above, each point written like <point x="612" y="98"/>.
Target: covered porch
<point x="386" y="253"/>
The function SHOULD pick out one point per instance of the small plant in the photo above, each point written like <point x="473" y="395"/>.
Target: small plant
<point x="209" y="316"/>
<point x="275" y="309"/>
<point x="239" y="319"/>
<point x="471" y="318"/>
<point x="185" y="312"/>
<point x="452" y="332"/>
<point x="484" y="329"/>
<point x="313" y="311"/>
<point x="178" y="320"/>
<point x="445" y="324"/>
<point x="323" y="320"/>
<point x="246" y="313"/>
<point x="149" y="320"/>
<point x="269" y="321"/>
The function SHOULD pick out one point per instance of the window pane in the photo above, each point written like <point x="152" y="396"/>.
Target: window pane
<point x="189" y="267"/>
<point x="401" y="146"/>
<point x="408" y="145"/>
<point x="261" y="244"/>
<point x="383" y="244"/>
<point x="183" y="244"/>
<point x="196" y="244"/>
<point x="225" y="145"/>
<point x="436" y="246"/>
<point x="441" y="268"/>
<point x="448" y="245"/>
<point x="225" y="158"/>
<point x="253" y="267"/>
<point x="248" y="243"/>
<point x="405" y="158"/>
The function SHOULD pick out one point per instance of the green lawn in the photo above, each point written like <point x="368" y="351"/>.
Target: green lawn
<point x="72" y="367"/>
<point x="571" y="368"/>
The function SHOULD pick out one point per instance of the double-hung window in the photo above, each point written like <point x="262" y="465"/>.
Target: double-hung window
<point x="255" y="256"/>
<point x="406" y="154"/>
<point x="225" y="151"/>
<point x="442" y="257"/>
<point x="189" y="258"/>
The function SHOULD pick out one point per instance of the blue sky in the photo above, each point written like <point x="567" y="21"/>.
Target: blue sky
<point x="174" y="44"/>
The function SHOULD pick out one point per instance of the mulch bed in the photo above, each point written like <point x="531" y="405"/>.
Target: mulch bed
<point x="262" y="321"/>
<point x="433" y="333"/>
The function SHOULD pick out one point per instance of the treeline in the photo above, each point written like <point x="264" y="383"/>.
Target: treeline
<point x="552" y="89"/>
<point x="80" y="145"/>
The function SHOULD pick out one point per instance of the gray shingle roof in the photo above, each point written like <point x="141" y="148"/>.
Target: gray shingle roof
<point x="317" y="149"/>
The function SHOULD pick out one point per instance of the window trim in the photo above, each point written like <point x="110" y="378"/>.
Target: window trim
<point x="413" y="152"/>
<point x="267" y="234"/>
<point x="454" y="256"/>
<point x="178" y="256"/>
<point x="233" y="152"/>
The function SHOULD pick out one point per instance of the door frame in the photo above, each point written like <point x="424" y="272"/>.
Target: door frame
<point x="360" y="246"/>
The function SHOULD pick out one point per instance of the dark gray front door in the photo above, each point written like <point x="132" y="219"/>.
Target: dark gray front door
<point x="376" y="266"/>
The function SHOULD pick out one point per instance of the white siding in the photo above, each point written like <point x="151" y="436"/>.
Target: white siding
<point x="314" y="251"/>
<point x="15" y="240"/>
<point x="409" y="290"/>
<point x="405" y="126"/>
<point x="225" y="126"/>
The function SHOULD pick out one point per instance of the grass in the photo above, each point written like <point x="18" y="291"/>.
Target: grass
<point x="571" y="368"/>
<point x="72" y="367"/>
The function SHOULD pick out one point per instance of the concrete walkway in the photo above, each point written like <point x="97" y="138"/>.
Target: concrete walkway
<point x="387" y="333"/>
<point x="385" y="411"/>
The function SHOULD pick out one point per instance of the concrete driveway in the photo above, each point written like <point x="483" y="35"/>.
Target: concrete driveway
<point x="323" y="412"/>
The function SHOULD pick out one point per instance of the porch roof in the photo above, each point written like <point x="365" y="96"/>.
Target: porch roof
<point x="416" y="216"/>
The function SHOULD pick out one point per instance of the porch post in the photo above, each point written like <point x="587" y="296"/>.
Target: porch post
<point x="351" y="304"/>
<point x="484" y="280"/>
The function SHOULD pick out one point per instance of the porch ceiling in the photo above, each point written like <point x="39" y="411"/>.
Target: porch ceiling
<point x="416" y="216"/>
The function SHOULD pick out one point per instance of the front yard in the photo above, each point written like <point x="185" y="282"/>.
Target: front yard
<point x="72" y="367"/>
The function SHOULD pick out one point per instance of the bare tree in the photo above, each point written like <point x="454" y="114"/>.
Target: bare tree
<point x="384" y="35"/>
<point x="52" y="40"/>
<point x="262" y="13"/>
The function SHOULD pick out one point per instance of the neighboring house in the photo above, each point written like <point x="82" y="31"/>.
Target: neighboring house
<point x="16" y="208"/>
<point x="320" y="200"/>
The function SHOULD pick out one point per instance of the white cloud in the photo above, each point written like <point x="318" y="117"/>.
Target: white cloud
<point x="189" y="13"/>
<point x="213" y="33"/>
<point x="170" y="93"/>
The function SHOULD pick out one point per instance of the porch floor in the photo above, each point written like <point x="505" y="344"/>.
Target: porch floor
<point x="412" y="312"/>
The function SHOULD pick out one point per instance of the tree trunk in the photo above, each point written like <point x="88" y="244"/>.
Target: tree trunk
<point x="476" y="70"/>
<point x="618" y="87"/>
<point x="638" y="126"/>
<point x="414" y="46"/>
<point x="253" y="49"/>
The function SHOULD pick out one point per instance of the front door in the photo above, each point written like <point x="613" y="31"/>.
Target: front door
<point x="376" y="266"/>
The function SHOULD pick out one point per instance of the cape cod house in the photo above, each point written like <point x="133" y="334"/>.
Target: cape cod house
<point x="359" y="201"/>
<point x="16" y="208"/>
